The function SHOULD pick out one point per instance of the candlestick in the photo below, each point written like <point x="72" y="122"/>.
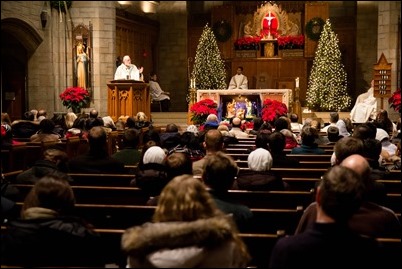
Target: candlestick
<point x="297" y="82"/>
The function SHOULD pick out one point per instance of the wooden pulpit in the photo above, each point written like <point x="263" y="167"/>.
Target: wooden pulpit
<point x="127" y="98"/>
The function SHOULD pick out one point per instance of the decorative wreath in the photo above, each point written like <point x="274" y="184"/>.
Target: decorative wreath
<point x="222" y="30"/>
<point x="59" y="5"/>
<point x="314" y="28"/>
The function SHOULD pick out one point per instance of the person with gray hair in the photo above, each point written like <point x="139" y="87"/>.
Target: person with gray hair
<point x="127" y="70"/>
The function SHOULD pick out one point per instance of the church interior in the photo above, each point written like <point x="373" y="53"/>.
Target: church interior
<point x="201" y="134"/>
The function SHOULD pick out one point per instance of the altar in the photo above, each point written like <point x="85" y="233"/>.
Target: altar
<point x="244" y="103"/>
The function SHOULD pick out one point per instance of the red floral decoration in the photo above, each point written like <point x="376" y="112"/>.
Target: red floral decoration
<point x="248" y="125"/>
<point x="202" y="109"/>
<point x="272" y="109"/>
<point x="250" y="43"/>
<point x="395" y="100"/>
<point x="291" y="42"/>
<point x="74" y="97"/>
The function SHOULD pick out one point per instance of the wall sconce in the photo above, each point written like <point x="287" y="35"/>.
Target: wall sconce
<point x="43" y="18"/>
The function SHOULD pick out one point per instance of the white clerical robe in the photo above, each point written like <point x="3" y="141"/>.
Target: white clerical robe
<point x="365" y="107"/>
<point x="238" y="82"/>
<point x="156" y="91"/>
<point x="127" y="72"/>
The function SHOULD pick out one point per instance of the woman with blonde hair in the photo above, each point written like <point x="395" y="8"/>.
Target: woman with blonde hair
<point x="188" y="231"/>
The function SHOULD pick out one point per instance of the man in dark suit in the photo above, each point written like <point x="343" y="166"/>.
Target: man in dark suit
<point x="97" y="160"/>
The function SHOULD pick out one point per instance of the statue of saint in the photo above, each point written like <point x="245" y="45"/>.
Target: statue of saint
<point x="248" y="30"/>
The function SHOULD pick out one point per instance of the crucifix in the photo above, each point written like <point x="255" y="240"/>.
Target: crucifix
<point x="269" y="18"/>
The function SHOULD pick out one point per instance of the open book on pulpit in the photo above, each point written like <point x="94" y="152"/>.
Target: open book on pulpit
<point x="126" y="81"/>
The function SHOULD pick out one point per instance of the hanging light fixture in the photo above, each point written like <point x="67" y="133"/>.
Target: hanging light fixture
<point x="149" y="6"/>
<point x="43" y="15"/>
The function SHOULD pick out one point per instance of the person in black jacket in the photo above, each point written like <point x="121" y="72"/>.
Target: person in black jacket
<point x="48" y="233"/>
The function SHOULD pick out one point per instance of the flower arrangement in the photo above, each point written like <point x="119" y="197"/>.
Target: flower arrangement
<point x="291" y="42"/>
<point x="395" y="100"/>
<point x="202" y="109"/>
<point x="247" y="43"/>
<point x="74" y="97"/>
<point x="272" y="109"/>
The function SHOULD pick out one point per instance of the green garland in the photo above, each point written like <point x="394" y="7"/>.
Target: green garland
<point x="311" y="28"/>
<point x="59" y="5"/>
<point x="222" y="31"/>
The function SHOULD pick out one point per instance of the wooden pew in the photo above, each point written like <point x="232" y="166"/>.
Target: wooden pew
<point x="97" y="194"/>
<point x="272" y="199"/>
<point x="259" y="246"/>
<point x="14" y="158"/>
<point x="135" y="196"/>
<point x="303" y="164"/>
<point x="296" y="172"/>
<point x="301" y="157"/>
<point x="101" y="179"/>
<point x="107" y="216"/>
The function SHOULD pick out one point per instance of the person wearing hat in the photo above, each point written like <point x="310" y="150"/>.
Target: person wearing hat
<point x="259" y="177"/>
<point x="152" y="174"/>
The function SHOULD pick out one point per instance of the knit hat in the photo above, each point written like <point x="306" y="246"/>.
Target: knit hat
<point x="260" y="160"/>
<point x="381" y="134"/>
<point x="154" y="154"/>
<point x="192" y="128"/>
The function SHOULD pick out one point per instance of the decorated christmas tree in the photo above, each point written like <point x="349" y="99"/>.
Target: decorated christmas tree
<point x="327" y="86"/>
<point x="209" y="69"/>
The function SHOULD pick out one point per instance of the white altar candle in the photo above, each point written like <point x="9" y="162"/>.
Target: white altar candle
<point x="297" y="82"/>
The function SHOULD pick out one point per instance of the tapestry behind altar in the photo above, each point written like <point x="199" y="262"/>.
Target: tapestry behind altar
<point x="244" y="104"/>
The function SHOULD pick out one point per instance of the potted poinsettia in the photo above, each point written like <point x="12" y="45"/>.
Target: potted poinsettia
<point x="273" y="109"/>
<point x="202" y="109"/>
<point x="395" y="100"/>
<point x="75" y="98"/>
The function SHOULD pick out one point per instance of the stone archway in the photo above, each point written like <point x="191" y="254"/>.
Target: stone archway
<point x="19" y="41"/>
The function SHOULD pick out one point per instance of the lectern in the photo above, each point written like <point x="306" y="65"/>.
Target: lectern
<point x="127" y="98"/>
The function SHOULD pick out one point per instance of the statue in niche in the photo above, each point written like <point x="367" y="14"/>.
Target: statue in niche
<point x="248" y="29"/>
<point x="82" y="67"/>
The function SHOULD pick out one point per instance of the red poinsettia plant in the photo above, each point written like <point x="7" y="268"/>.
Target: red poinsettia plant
<point x="272" y="109"/>
<point x="74" y="97"/>
<point x="291" y="42"/>
<point x="202" y="109"/>
<point x="247" y="43"/>
<point x="395" y="100"/>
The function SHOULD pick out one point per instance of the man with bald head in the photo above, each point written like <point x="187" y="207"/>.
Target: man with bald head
<point x="371" y="219"/>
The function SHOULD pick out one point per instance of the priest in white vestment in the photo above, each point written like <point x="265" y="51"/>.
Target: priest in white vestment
<point x="238" y="81"/>
<point x="365" y="107"/>
<point x="127" y="70"/>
